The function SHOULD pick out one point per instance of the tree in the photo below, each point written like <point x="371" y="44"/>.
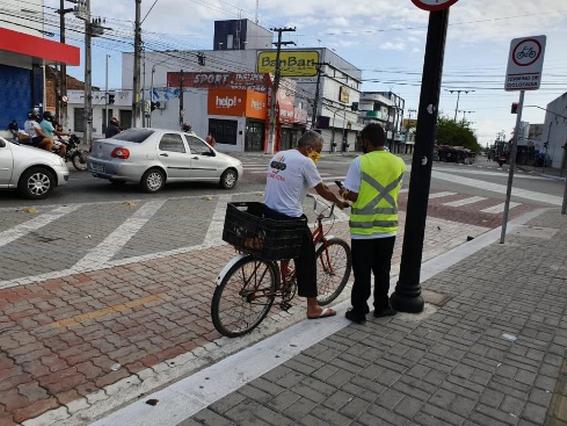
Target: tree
<point x="456" y="133"/>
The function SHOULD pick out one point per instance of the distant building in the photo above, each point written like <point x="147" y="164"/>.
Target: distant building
<point x="556" y="131"/>
<point x="243" y="49"/>
<point x="387" y="109"/>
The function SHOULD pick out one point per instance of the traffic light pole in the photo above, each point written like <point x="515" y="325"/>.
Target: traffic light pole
<point x="512" y="159"/>
<point x="407" y="296"/>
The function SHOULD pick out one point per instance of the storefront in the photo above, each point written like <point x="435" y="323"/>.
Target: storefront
<point x="233" y="109"/>
<point x="22" y="74"/>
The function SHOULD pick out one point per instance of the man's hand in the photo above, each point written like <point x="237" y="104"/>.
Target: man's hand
<point x="342" y="204"/>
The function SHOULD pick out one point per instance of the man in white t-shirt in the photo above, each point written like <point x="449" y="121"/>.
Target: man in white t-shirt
<point x="36" y="135"/>
<point x="291" y="174"/>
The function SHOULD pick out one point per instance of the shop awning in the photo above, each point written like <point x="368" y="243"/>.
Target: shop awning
<point x="38" y="47"/>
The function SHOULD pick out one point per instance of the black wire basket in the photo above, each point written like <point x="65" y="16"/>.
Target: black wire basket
<point x="246" y="228"/>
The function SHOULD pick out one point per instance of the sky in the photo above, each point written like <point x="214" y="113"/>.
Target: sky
<point x="384" y="38"/>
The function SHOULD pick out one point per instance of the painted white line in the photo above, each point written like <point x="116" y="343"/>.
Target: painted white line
<point x="499" y="208"/>
<point x="214" y="233"/>
<point x="498" y="174"/>
<point x="112" y="244"/>
<point x="34" y="224"/>
<point x="441" y="195"/>
<point x="465" y="201"/>
<point x="190" y="395"/>
<point x="499" y="188"/>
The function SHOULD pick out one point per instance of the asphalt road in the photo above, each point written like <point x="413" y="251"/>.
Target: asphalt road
<point x="83" y="188"/>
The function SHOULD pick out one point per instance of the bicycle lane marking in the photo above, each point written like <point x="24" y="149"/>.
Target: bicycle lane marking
<point x="34" y="224"/>
<point x="112" y="244"/>
<point x="214" y="233"/>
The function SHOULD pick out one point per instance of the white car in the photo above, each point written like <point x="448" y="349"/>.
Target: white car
<point x="33" y="171"/>
<point x="152" y="157"/>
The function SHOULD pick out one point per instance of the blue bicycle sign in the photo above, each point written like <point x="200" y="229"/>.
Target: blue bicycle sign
<point x="527" y="52"/>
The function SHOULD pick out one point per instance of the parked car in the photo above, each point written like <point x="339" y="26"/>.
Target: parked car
<point x="33" y="171"/>
<point x="154" y="157"/>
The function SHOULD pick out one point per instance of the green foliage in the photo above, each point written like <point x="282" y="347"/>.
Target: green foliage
<point x="456" y="133"/>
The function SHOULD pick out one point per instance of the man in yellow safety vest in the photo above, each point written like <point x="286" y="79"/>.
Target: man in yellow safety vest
<point x="373" y="183"/>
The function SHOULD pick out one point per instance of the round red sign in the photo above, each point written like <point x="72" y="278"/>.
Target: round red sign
<point x="434" y="5"/>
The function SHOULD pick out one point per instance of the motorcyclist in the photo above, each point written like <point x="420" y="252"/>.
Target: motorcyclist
<point x="113" y="128"/>
<point x="37" y="136"/>
<point x="49" y="130"/>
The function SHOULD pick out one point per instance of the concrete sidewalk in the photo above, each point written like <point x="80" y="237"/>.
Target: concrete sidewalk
<point x="490" y="351"/>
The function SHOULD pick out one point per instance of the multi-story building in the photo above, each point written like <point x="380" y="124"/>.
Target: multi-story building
<point x="244" y="50"/>
<point x="387" y="109"/>
<point x="24" y="52"/>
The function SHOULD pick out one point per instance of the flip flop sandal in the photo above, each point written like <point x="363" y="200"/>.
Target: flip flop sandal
<point x="325" y="313"/>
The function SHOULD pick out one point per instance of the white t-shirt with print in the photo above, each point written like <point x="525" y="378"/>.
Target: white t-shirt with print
<point x="30" y="127"/>
<point x="290" y="175"/>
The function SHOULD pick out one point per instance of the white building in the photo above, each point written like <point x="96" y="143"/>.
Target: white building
<point x="120" y="108"/>
<point x="556" y="131"/>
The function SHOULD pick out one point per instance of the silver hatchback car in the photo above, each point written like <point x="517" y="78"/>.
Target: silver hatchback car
<point x="33" y="171"/>
<point x="152" y="157"/>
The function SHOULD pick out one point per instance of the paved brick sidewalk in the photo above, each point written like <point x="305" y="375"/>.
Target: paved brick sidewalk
<point x="69" y="343"/>
<point x="493" y="354"/>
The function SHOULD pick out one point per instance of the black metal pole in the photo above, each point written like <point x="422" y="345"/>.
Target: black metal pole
<point x="407" y="297"/>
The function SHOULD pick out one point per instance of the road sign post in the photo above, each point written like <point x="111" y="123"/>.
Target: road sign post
<point x="525" y="65"/>
<point x="407" y="296"/>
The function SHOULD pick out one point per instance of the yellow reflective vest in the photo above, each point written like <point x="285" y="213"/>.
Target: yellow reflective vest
<point x="375" y="212"/>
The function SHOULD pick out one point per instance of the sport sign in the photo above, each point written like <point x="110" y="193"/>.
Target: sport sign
<point x="525" y="63"/>
<point x="434" y="5"/>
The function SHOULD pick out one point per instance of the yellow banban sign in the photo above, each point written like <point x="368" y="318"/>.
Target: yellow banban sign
<point x="294" y="63"/>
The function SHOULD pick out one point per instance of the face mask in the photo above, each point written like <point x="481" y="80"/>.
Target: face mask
<point x="315" y="156"/>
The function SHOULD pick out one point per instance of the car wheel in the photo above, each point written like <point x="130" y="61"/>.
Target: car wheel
<point x="36" y="183"/>
<point x="228" y="179"/>
<point x="153" y="180"/>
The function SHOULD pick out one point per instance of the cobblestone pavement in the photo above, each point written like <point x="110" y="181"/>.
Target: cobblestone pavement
<point x="492" y="354"/>
<point x="77" y="345"/>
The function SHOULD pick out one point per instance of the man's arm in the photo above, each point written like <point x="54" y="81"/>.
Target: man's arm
<point x="324" y="191"/>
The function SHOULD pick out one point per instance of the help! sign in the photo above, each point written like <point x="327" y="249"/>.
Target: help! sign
<point x="525" y="63"/>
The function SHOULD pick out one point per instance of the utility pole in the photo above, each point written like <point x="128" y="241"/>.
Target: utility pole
<point x="105" y="119"/>
<point x="137" y="54"/>
<point x="181" y="104"/>
<point x="88" y="104"/>
<point x="320" y="66"/>
<point x="60" y="105"/>
<point x="458" y="92"/>
<point x="144" y="118"/>
<point x="276" y="85"/>
<point x="465" y="113"/>
<point x="257" y="10"/>
<point x="407" y="296"/>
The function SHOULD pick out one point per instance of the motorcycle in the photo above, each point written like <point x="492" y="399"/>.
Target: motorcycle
<point x="77" y="156"/>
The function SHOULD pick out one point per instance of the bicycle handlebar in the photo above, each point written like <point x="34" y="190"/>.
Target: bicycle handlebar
<point x="316" y="203"/>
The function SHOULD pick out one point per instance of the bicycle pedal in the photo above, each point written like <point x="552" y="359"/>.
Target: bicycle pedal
<point x="285" y="306"/>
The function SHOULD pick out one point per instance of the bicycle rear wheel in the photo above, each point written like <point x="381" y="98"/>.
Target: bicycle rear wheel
<point x="334" y="262"/>
<point x="244" y="296"/>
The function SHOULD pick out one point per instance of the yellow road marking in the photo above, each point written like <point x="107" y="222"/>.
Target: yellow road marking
<point x="111" y="310"/>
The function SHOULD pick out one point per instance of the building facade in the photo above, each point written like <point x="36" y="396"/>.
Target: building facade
<point x="242" y="47"/>
<point x="555" y="128"/>
<point x="386" y="109"/>
<point x="24" y="53"/>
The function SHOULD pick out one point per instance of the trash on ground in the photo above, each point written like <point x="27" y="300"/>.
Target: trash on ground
<point x="509" y="337"/>
<point x="30" y="210"/>
<point x="115" y="367"/>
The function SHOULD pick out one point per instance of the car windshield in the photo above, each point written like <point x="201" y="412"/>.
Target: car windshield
<point x="133" y="135"/>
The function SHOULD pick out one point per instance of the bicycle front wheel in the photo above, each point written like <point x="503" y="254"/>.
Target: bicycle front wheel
<point x="334" y="262"/>
<point x="244" y="296"/>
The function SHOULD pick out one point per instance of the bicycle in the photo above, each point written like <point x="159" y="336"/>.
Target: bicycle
<point x="248" y="285"/>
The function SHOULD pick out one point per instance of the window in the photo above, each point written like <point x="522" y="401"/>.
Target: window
<point x="224" y="131"/>
<point x="172" y="142"/>
<point x="230" y="41"/>
<point x="134" y="135"/>
<point x="196" y="146"/>
<point x="79" y="120"/>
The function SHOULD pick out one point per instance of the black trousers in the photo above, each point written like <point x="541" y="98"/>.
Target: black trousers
<point x="368" y="256"/>
<point x="305" y="262"/>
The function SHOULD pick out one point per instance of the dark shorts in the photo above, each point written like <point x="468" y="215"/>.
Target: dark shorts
<point x="36" y="141"/>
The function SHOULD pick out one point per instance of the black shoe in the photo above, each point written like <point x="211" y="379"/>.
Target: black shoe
<point x="355" y="317"/>
<point x="386" y="312"/>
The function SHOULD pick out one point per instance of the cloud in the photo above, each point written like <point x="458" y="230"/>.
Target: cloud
<point x="389" y="45"/>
